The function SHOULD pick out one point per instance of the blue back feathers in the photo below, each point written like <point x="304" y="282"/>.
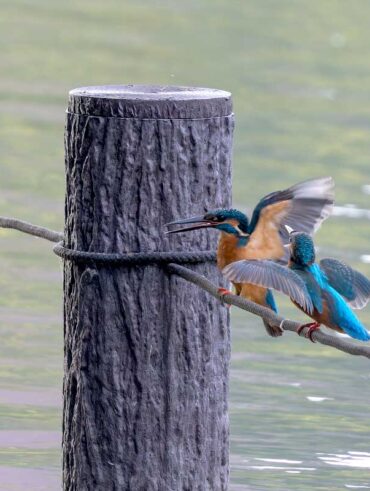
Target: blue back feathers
<point x="312" y="279"/>
<point x="340" y="312"/>
<point x="343" y="316"/>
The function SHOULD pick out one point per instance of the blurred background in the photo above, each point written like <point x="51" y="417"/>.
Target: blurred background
<point x="300" y="77"/>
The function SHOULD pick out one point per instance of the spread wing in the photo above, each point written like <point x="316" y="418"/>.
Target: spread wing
<point x="270" y="275"/>
<point x="303" y="207"/>
<point x="351" y="284"/>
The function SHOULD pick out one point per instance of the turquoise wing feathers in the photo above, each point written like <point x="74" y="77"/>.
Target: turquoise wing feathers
<point x="352" y="285"/>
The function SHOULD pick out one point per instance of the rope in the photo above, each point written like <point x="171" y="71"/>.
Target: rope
<point x="322" y="337"/>
<point x="135" y="258"/>
<point x="168" y="259"/>
<point x="29" y="228"/>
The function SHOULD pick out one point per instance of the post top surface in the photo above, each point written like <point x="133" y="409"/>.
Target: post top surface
<point x="150" y="101"/>
<point x="156" y="92"/>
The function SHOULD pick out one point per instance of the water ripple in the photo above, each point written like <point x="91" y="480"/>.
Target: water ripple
<point x="319" y="399"/>
<point x="355" y="486"/>
<point x="350" y="459"/>
<point x="366" y="188"/>
<point x="280" y="461"/>
<point x="350" y="211"/>
<point x="280" y="468"/>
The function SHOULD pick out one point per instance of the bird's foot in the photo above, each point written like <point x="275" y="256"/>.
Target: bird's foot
<point x="312" y="326"/>
<point x="224" y="291"/>
<point x="273" y="330"/>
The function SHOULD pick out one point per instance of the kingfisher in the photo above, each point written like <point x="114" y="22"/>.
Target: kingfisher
<point x="304" y="205"/>
<point x="325" y="291"/>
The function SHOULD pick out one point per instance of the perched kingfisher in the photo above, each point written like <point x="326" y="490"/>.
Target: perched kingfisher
<point x="304" y="206"/>
<point x="324" y="291"/>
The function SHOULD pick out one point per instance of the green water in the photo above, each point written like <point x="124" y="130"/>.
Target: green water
<point x="300" y="78"/>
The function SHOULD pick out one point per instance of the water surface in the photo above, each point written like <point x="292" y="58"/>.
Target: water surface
<point x="300" y="79"/>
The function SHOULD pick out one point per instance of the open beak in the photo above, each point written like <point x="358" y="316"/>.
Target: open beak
<point x="186" y="224"/>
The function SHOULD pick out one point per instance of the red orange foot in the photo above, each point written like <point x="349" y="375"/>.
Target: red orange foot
<point x="312" y="326"/>
<point x="223" y="292"/>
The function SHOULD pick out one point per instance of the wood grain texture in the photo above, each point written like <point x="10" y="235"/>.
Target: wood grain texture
<point x="146" y="354"/>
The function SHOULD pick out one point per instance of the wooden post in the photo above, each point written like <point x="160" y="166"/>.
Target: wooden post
<point x="146" y="354"/>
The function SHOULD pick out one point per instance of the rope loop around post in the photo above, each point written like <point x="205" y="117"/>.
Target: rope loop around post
<point x="134" y="258"/>
<point x="171" y="261"/>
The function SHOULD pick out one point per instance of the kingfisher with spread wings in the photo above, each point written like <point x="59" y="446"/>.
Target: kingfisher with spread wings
<point x="303" y="206"/>
<point x="325" y="291"/>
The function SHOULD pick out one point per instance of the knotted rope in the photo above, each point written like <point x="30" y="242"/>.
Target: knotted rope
<point x="171" y="260"/>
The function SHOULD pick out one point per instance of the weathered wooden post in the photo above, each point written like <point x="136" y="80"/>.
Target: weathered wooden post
<point x="146" y="354"/>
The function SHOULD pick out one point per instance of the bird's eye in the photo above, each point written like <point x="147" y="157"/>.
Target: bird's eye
<point x="213" y="218"/>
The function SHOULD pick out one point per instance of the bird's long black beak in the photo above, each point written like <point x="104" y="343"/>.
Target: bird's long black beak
<point x="194" y="222"/>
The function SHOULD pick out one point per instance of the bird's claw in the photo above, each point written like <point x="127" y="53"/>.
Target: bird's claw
<point x="224" y="291"/>
<point x="312" y="326"/>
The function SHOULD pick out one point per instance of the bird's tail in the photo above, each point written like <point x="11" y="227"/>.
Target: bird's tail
<point x="345" y="318"/>
<point x="358" y="331"/>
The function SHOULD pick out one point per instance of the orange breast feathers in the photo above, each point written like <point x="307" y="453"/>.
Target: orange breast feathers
<point x="264" y="242"/>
